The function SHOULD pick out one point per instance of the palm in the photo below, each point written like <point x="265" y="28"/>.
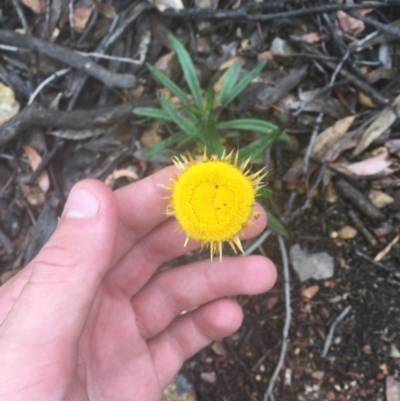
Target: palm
<point x="114" y="353"/>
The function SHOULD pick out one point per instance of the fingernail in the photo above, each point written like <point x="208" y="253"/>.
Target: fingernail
<point x="81" y="204"/>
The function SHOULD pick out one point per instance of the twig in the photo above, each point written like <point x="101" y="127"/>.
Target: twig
<point x="307" y="157"/>
<point x="285" y="339"/>
<point x="358" y="199"/>
<point x="378" y="264"/>
<point x="6" y="242"/>
<point x="9" y="48"/>
<point x="339" y="67"/>
<point x="387" y="249"/>
<point x="361" y="227"/>
<point x="52" y="77"/>
<point x="317" y="94"/>
<point x="329" y="339"/>
<point x="116" y="30"/>
<point x="114" y="58"/>
<point x="310" y="147"/>
<point x="68" y="57"/>
<point x="312" y="190"/>
<point x="376" y="97"/>
<point x="79" y="119"/>
<point x="257" y="243"/>
<point x="46" y="159"/>
<point x="243" y="12"/>
<point x="71" y="18"/>
<point x="21" y="16"/>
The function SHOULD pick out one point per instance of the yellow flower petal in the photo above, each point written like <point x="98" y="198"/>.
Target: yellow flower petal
<point x="213" y="199"/>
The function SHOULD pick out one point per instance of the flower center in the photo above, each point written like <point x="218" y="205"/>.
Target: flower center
<point x="213" y="201"/>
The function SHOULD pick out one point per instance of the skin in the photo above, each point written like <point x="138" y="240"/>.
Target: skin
<point x="90" y="318"/>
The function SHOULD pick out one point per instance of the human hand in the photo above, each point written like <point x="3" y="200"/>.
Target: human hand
<point x="90" y="318"/>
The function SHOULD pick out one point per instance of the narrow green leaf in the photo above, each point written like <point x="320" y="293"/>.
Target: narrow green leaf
<point x="157" y="148"/>
<point x="184" y="123"/>
<point x="249" y="124"/>
<point x="244" y="82"/>
<point x="256" y="148"/>
<point x="197" y="141"/>
<point x="169" y="84"/>
<point x="210" y="100"/>
<point x="275" y="225"/>
<point x="211" y="138"/>
<point x="151" y="112"/>
<point x="188" y="70"/>
<point x="284" y="137"/>
<point x="231" y="77"/>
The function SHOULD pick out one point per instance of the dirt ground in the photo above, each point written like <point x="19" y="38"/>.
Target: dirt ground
<point x="332" y="83"/>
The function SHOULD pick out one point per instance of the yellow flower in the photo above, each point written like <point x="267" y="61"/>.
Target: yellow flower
<point x="213" y="199"/>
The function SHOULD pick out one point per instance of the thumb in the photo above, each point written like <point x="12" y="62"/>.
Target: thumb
<point x="67" y="272"/>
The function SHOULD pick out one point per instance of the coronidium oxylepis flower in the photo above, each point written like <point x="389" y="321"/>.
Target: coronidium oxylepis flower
<point x="213" y="198"/>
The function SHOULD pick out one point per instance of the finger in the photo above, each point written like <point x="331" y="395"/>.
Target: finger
<point x="67" y="272"/>
<point x="190" y="333"/>
<point x="141" y="207"/>
<point x="170" y="292"/>
<point x="9" y="292"/>
<point x="164" y="243"/>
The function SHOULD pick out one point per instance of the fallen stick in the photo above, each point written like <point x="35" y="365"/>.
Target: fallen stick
<point x="69" y="57"/>
<point x="359" y="200"/>
<point x="329" y="339"/>
<point x="78" y="119"/>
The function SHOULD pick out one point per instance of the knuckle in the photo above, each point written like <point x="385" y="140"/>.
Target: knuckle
<point x="55" y="260"/>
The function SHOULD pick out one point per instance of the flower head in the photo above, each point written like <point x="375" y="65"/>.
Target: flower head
<point x="213" y="199"/>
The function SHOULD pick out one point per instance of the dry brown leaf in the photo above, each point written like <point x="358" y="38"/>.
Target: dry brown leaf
<point x="37" y="6"/>
<point x="265" y="56"/>
<point x="150" y="137"/>
<point x="9" y="107"/>
<point x="165" y="92"/>
<point x="323" y="145"/>
<point x="312" y="37"/>
<point x="380" y="199"/>
<point x="81" y="18"/>
<point x="167" y="64"/>
<point x="119" y="174"/>
<point x="310" y="292"/>
<point x="328" y="138"/>
<point x="371" y="166"/>
<point x="34" y="160"/>
<point x="230" y="62"/>
<point x="384" y="121"/>
<point x="350" y="25"/>
<point x="365" y="100"/>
